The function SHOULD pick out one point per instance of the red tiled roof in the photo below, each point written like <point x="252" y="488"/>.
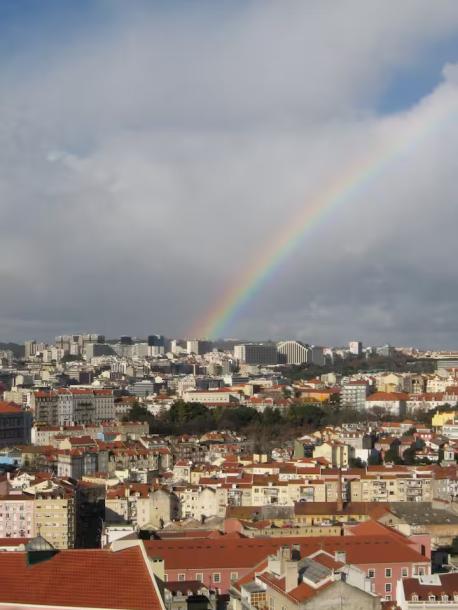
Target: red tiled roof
<point x="396" y="396"/>
<point x="223" y="553"/>
<point x="184" y="586"/>
<point x="86" y="578"/>
<point x="447" y="585"/>
<point x="13" y="541"/>
<point x="300" y="593"/>
<point x="327" y="561"/>
<point x="9" y="407"/>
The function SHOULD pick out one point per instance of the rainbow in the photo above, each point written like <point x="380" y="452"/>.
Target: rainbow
<point x="343" y="189"/>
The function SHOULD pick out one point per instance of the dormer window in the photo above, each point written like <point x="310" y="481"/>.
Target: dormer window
<point x="444" y="597"/>
<point x="414" y="597"/>
<point x="431" y="597"/>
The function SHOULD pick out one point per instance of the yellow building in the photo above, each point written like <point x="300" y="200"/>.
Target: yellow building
<point x="443" y="417"/>
<point x="55" y="517"/>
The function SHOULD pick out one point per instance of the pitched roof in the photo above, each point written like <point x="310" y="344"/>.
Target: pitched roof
<point x="395" y="396"/>
<point x="435" y="584"/>
<point x="9" y="407"/>
<point x="87" y="578"/>
<point x="246" y="553"/>
<point x="302" y="592"/>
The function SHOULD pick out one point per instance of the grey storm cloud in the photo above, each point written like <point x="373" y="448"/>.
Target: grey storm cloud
<point x="144" y="165"/>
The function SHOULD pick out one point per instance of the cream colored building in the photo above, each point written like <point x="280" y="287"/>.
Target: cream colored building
<point x="337" y="454"/>
<point x="55" y="517"/>
<point x="198" y="502"/>
<point x="392" y="488"/>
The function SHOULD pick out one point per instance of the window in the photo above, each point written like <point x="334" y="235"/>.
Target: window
<point x="404" y="572"/>
<point x="181" y="577"/>
<point x="445" y="597"/>
<point x="414" y="597"/>
<point x="387" y="572"/>
<point x="387" y="587"/>
<point x="199" y="576"/>
<point x="387" y="598"/>
<point x="216" y="577"/>
<point x="431" y="597"/>
<point x="371" y="573"/>
<point x="234" y="575"/>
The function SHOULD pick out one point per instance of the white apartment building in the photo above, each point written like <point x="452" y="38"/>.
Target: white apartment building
<point x="104" y="405"/>
<point x="355" y="348"/>
<point x="68" y="406"/>
<point x="294" y="352"/>
<point x="354" y="394"/>
<point x="198" y="347"/>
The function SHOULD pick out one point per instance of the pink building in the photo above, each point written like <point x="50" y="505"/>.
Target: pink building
<point x="217" y="562"/>
<point x="17" y="516"/>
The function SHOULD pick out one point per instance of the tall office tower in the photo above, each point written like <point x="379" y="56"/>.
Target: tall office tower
<point x="30" y="348"/>
<point x="355" y="348"/>
<point x="156" y="340"/>
<point x="156" y="345"/>
<point x="198" y="347"/>
<point x="63" y="342"/>
<point x="256" y="353"/>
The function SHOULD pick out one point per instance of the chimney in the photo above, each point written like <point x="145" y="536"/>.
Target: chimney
<point x="340" y="556"/>
<point x="285" y="553"/>
<point x="291" y="577"/>
<point x="296" y="552"/>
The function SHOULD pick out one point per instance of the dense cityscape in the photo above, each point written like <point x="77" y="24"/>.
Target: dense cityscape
<point x="228" y="302"/>
<point x="229" y="474"/>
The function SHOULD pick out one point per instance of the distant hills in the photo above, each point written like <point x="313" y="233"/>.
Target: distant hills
<point x="16" y="348"/>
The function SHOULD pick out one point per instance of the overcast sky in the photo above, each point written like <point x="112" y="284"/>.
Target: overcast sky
<point x="150" y="150"/>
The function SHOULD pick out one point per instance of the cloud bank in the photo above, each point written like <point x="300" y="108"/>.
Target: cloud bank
<point x="147" y="159"/>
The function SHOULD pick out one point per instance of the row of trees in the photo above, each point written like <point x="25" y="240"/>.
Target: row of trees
<point x="398" y="362"/>
<point x="195" y="418"/>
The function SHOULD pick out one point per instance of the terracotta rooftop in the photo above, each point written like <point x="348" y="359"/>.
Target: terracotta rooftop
<point x="93" y="578"/>
<point x="9" y="407"/>
<point x="241" y="553"/>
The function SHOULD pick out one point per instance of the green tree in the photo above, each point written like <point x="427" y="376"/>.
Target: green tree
<point x="137" y="413"/>
<point x="356" y="463"/>
<point x="305" y="415"/>
<point x="409" y="456"/>
<point x="271" y="417"/>
<point x="375" y="459"/>
<point x="392" y="457"/>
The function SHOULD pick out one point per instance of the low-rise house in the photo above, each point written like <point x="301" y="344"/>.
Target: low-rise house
<point x="393" y="403"/>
